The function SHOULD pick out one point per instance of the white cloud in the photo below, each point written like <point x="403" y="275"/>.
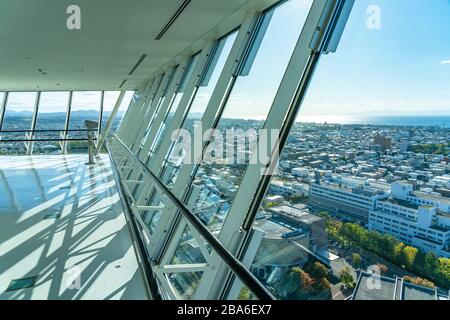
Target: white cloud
<point x="445" y="62"/>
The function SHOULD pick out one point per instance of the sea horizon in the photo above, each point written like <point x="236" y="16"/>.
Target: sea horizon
<point x="399" y="120"/>
<point x="394" y="120"/>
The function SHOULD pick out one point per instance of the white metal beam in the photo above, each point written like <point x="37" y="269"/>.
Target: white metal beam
<point x="108" y="126"/>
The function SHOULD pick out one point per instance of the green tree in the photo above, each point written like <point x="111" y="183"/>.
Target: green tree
<point x="356" y="260"/>
<point x="305" y="279"/>
<point x="408" y="255"/>
<point x="386" y="245"/>
<point x="425" y="265"/>
<point x="443" y="271"/>
<point x="324" y="214"/>
<point x="347" y="278"/>
<point x="324" y="284"/>
<point x="397" y="254"/>
<point x="319" y="271"/>
<point x="431" y="263"/>
<point x="245" y="294"/>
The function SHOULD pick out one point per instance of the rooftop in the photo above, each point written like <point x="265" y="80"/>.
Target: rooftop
<point x="300" y="214"/>
<point x="375" y="287"/>
<point x="401" y="202"/>
<point x="432" y="197"/>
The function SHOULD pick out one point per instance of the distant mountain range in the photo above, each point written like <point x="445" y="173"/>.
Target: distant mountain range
<point x="73" y="114"/>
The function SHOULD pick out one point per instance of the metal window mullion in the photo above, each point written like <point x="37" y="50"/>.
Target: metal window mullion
<point x="170" y="94"/>
<point x="195" y="222"/>
<point x="164" y="108"/>
<point x="281" y="117"/>
<point x="152" y="110"/>
<point x="132" y="105"/>
<point x="66" y="125"/>
<point x="215" y="103"/>
<point x="143" y="122"/>
<point x="280" y="109"/>
<point x="140" y="109"/>
<point x="134" y="126"/>
<point x="155" y="161"/>
<point x="168" y="218"/>
<point x="29" y="145"/>
<point x="134" y="113"/>
<point x="147" y="108"/>
<point x="3" y="108"/>
<point x="100" y="114"/>
<point x="133" y="109"/>
<point x="109" y="123"/>
<point x="219" y="95"/>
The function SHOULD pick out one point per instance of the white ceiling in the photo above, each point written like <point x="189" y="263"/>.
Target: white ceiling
<point x="38" y="51"/>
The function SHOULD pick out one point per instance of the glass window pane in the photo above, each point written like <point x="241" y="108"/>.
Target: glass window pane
<point x="18" y="116"/>
<point x="19" y="111"/>
<point x="215" y="185"/>
<point x="51" y="115"/>
<point x="2" y="96"/>
<point x="109" y="101"/>
<point x="188" y="252"/>
<point x="165" y="94"/>
<point x="199" y="103"/>
<point x="363" y="134"/>
<point x="217" y="179"/>
<point x="176" y="101"/>
<point x="85" y="106"/>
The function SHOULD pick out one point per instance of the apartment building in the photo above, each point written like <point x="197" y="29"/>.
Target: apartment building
<point x="349" y="198"/>
<point x="416" y="218"/>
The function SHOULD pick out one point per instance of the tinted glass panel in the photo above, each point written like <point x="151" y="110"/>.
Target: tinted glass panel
<point x="200" y="103"/>
<point x="18" y="116"/>
<point x="220" y="174"/>
<point x="109" y="102"/>
<point x="51" y="115"/>
<point x="85" y="106"/>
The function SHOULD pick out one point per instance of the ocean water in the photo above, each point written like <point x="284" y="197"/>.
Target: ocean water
<point x="424" y="121"/>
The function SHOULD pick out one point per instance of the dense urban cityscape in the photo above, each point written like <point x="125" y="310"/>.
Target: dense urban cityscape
<point x="346" y="199"/>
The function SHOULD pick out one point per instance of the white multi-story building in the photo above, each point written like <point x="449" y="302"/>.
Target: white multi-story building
<point x="300" y="172"/>
<point x="351" y="197"/>
<point x="416" y="218"/>
<point x="288" y="189"/>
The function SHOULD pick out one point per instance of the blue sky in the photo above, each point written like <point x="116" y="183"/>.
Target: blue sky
<point x="401" y="68"/>
<point x="57" y="101"/>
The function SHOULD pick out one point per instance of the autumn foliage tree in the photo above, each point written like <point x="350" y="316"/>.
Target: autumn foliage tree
<point x="424" y="264"/>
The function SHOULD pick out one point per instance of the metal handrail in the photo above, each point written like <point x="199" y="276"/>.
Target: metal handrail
<point x="244" y="275"/>
<point x="45" y="139"/>
<point x="46" y="130"/>
<point x="145" y="264"/>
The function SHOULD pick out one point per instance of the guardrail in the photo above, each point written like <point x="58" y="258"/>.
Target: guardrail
<point x="242" y="273"/>
<point x="62" y="131"/>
